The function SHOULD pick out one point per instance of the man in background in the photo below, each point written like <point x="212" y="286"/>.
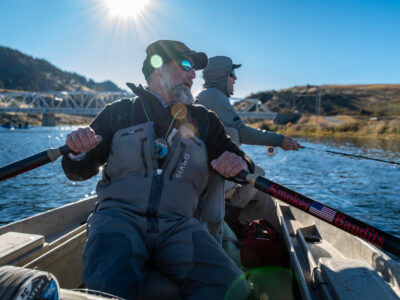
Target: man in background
<point x="219" y="79"/>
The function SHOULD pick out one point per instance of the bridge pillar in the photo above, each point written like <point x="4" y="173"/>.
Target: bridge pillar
<point x="48" y="119"/>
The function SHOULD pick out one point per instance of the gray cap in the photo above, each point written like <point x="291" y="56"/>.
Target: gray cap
<point x="216" y="73"/>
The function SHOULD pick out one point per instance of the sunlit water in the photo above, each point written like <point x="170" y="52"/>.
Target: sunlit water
<point x="364" y="189"/>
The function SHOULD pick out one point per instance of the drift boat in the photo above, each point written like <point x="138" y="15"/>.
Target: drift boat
<point x="325" y="262"/>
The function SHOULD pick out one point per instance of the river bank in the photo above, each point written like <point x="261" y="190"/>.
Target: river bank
<point x="339" y="126"/>
<point x="36" y="119"/>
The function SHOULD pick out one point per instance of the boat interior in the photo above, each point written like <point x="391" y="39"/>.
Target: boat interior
<point x="321" y="261"/>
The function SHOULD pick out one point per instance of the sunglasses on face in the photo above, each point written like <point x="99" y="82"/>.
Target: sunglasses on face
<point x="232" y="74"/>
<point x="186" y="65"/>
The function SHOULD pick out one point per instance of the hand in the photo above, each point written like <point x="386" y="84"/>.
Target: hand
<point x="229" y="164"/>
<point x="290" y="144"/>
<point x="83" y="140"/>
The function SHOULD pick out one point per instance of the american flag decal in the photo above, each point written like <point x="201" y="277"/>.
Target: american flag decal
<point x="322" y="211"/>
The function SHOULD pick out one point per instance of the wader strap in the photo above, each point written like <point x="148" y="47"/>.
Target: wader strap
<point x="154" y="202"/>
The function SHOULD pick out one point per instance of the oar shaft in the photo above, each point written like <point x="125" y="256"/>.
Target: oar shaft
<point x="32" y="162"/>
<point x="327" y="214"/>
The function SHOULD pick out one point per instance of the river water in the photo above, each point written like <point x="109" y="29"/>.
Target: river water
<point x="366" y="190"/>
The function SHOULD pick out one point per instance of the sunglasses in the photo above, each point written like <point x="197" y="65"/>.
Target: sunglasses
<point x="232" y="74"/>
<point x="186" y="65"/>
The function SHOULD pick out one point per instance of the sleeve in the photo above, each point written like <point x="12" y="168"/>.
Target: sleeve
<point x="221" y="106"/>
<point x="253" y="136"/>
<point x="94" y="159"/>
<point x="218" y="142"/>
<point x="230" y="118"/>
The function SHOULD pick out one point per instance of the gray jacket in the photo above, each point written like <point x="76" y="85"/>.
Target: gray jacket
<point x="215" y="96"/>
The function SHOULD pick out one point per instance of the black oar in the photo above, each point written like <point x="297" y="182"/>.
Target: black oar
<point x="336" y="218"/>
<point x="32" y="162"/>
<point x="354" y="155"/>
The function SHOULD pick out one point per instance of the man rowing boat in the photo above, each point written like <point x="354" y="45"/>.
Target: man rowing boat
<point x="158" y="151"/>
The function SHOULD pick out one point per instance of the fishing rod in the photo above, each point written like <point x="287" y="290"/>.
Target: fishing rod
<point x="354" y="155"/>
<point x="271" y="151"/>
<point x="32" y="162"/>
<point x="325" y="213"/>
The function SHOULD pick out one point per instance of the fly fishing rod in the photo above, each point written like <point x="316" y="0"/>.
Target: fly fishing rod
<point x="271" y="151"/>
<point x="32" y="162"/>
<point x="354" y="155"/>
<point x="325" y="213"/>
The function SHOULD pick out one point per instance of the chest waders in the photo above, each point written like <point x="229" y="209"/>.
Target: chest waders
<point x="145" y="221"/>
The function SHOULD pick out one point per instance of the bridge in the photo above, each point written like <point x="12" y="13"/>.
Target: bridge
<point x="90" y="103"/>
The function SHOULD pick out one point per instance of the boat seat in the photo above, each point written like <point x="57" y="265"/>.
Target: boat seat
<point x="354" y="279"/>
<point x="14" y="245"/>
<point x="157" y="284"/>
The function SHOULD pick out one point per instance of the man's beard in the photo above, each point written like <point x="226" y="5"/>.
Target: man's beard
<point x="179" y="92"/>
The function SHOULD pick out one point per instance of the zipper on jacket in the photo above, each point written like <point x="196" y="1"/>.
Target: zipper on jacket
<point x="146" y="170"/>
<point x="132" y="132"/>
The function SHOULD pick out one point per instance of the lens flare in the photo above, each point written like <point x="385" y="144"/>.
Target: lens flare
<point x="179" y="111"/>
<point x="271" y="282"/>
<point x="188" y="130"/>
<point x="156" y="61"/>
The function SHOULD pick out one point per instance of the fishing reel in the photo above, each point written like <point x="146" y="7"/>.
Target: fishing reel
<point x="270" y="150"/>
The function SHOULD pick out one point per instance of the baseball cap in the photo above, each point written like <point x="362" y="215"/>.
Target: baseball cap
<point x="163" y="51"/>
<point x="235" y="66"/>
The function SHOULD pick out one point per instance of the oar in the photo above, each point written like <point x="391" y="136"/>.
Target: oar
<point x="327" y="214"/>
<point x="32" y="162"/>
<point x="354" y="155"/>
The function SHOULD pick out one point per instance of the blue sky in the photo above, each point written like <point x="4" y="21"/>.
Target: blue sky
<point x="280" y="43"/>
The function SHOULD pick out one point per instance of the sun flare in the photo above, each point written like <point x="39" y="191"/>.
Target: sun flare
<point x="125" y="9"/>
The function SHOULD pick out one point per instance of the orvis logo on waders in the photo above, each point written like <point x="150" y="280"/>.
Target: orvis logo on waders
<point x="182" y="166"/>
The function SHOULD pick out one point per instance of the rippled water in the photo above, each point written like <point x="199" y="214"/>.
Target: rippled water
<point x="364" y="189"/>
<point x="40" y="189"/>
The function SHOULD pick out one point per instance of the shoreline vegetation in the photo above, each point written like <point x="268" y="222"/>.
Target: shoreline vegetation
<point x="36" y="119"/>
<point x="307" y="125"/>
<point x="338" y="126"/>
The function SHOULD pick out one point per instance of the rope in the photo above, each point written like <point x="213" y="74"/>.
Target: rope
<point x="30" y="284"/>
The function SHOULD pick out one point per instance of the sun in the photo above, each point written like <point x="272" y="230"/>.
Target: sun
<point x="125" y="9"/>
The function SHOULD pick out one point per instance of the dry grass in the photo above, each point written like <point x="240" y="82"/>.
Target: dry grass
<point x="341" y="125"/>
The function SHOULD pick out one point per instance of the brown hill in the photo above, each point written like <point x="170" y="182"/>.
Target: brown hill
<point x="370" y="100"/>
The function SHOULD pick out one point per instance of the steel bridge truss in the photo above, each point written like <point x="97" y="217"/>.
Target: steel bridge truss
<point x="74" y="103"/>
<point x="90" y="103"/>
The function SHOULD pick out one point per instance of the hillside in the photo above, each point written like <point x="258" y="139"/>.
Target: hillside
<point x="378" y="100"/>
<point x="19" y="71"/>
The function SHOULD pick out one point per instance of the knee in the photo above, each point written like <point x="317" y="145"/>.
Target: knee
<point x="107" y="265"/>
